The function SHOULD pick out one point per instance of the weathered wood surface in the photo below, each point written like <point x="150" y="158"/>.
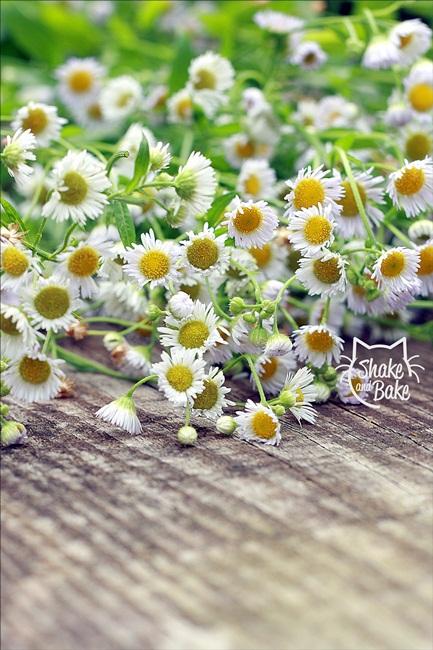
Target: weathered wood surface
<point x="113" y="542"/>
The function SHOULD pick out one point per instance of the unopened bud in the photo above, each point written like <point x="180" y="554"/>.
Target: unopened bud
<point x="180" y="305"/>
<point x="287" y="399"/>
<point x="323" y="392"/>
<point x="4" y="389"/>
<point x="226" y="424"/>
<point x="112" y="340"/>
<point x="4" y="410"/>
<point x="3" y="365"/>
<point x="330" y="375"/>
<point x="237" y="305"/>
<point x="187" y="435"/>
<point x="250" y="317"/>
<point x="279" y="410"/>
<point x="258" y="336"/>
<point x="153" y="312"/>
<point x="13" y="433"/>
<point x="352" y="276"/>
<point x="278" y="345"/>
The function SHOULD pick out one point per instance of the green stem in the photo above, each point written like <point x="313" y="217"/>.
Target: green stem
<point x="288" y="316"/>
<point x="68" y="234"/>
<point x="325" y="313"/>
<point x="132" y="390"/>
<point x="256" y="379"/>
<point x="422" y="304"/>
<point x="85" y="364"/>
<point x="114" y="158"/>
<point x="371" y="21"/>
<point x="187" y="142"/>
<point x="232" y="362"/>
<point x="187" y="414"/>
<point x="108" y="319"/>
<point x="217" y="308"/>
<point x="397" y="232"/>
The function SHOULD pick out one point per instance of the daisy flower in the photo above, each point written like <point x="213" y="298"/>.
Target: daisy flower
<point x="180" y="107"/>
<point x="180" y="375"/>
<point x="425" y="269"/>
<point x="79" y="264"/>
<point x="270" y="260"/>
<point x="159" y="156"/>
<point x="381" y="53"/>
<point x="90" y="115"/>
<point x="16" y="332"/>
<point x="251" y="223"/>
<point x="220" y="352"/>
<point x="35" y="187"/>
<point x="205" y="253"/>
<point x="122" y="413"/>
<point x="33" y="377"/>
<point x="322" y="273"/>
<point x="241" y="147"/>
<point x="210" y="76"/>
<point x="79" y="80"/>
<point x="351" y="385"/>
<point x="335" y="111"/>
<point x="17" y="266"/>
<point x="396" y="268"/>
<point x="417" y="141"/>
<point x="258" y="423"/>
<point x="79" y="182"/>
<point x="411" y="38"/>
<point x="198" y="331"/>
<point x="313" y="188"/>
<point x="370" y="190"/>
<point x="50" y="304"/>
<point x="272" y="371"/>
<point x="256" y="180"/>
<point x="277" y="22"/>
<point x="317" y="344"/>
<point x="308" y="55"/>
<point x="180" y="305"/>
<point x="421" y="230"/>
<point x="311" y="229"/>
<point x="153" y="261"/>
<point x="278" y="345"/>
<point x="120" y="97"/>
<point x="196" y="184"/>
<point x="301" y="385"/>
<point x="398" y="112"/>
<point x="411" y="187"/>
<point x="419" y="88"/>
<point x="211" y="401"/>
<point x="42" y="120"/>
<point x="18" y="149"/>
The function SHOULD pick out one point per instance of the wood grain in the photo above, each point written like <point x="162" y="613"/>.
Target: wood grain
<point x="115" y="542"/>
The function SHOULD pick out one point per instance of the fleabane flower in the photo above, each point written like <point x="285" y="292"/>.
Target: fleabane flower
<point x="205" y="253"/>
<point x="419" y="88"/>
<point x="251" y="223"/>
<point x="195" y="183"/>
<point x="257" y="180"/>
<point x="311" y="229"/>
<point x="120" y="97"/>
<point x="381" y="53"/>
<point x="396" y="268"/>
<point x="50" y="304"/>
<point x="241" y="147"/>
<point x="351" y="385"/>
<point x="425" y="268"/>
<point x="322" y="273"/>
<point x="411" y="187"/>
<point x="79" y="81"/>
<point x="180" y="107"/>
<point x="301" y="385"/>
<point x="421" y="231"/>
<point x="273" y="371"/>
<point x="16" y="332"/>
<point x="180" y="305"/>
<point x="17" y="151"/>
<point x="17" y="266"/>
<point x="42" y="120"/>
<point x="308" y="55"/>
<point x="34" y="377"/>
<point x="411" y="38"/>
<point x="270" y="259"/>
<point x="210" y="76"/>
<point x="417" y="140"/>
<point x="153" y="261"/>
<point x="258" y="423"/>
<point x="277" y="22"/>
<point x="122" y="413"/>
<point x="317" y="344"/>
<point x="180" y="375"/>
<point x="212" y="401"/>
<point x="278" y="345"/>
<point x="370" y="190"/>
<point x="198" y="331"/>
<point x="79" y="181"/>
<point x="313" y="188"/>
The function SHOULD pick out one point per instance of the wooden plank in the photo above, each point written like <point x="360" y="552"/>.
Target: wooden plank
<point x="113" y="541"/>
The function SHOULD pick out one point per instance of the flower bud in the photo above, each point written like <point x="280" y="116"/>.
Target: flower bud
<point x="278" y="345"/>
<point x="279" y="410"/>
<point x="330" y="375"/>
<point x="13" y="433"/>
<point x="180" y="305"/>
<point x="237" y="305"/>
<point x="112" y="340"/>
<point x="153" y="312"/>
<point x="187" y="435"/>
<point x="373" y="294"/>
<point x="3" y="365"/>
<point x="287" y="399"/>
<point x="4" y="389"/>
<point x="249" y="317"/>
<point x="258" y="336"/>
<point x="323" y="392"/>
<point x="4" y="410"/>
<point x="226" y="424"/>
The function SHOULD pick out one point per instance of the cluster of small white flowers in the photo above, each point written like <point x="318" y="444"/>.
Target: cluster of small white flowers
<point x="218" y="265"/>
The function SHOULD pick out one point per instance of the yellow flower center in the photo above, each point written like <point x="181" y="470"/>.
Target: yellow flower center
<point x="34" y="371"/>
<point x="77" y="188"/>
<point x="206" y="80"/>
<point x="358" y="290"/>
<point x="308" y="192"/>
<point x="317" y="230"/>
<point x="123" y="100"/>
<point x="356" y="383"/>
<point x="418" y="146"/>
<point x="192" y="290"/>
<point x="154" y="265"/>
<point x="8" y="326"/>
<point x="245" y="149"/>
<point x="52" y="302"/>
<point x="263" y="425"/>
<point x="426" y="261"/>
<point x="184" y="107"/>
<point x="319" y="341"/>
<point x="94" y="112"/>
<point x="310" y="58"/>
<point x="248" y="220"/>
<point x="299" y="395"/>
<point x="80" y="81"/>
<point x="421" y="97"/>
<point x="268" y="368"/>
<point x="193" y="334"/>
<point x="36" y="120"/>
<point x="393" y="264"/>
<point x="252" y="185"/>
<point x="84" y="261"/>
<point x="405" y="41"/>
<point x="202" y="253"/>
<point x="410" y="182"/>
<point x="208" y="397"/>
<point x="262" y="255"/>
<point x="179" y="377"/>
<point x="14" y="261"/>
<point x="327" y="271"/>
<point x="348" y="203"/>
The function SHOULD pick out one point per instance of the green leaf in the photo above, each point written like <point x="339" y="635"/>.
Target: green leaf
<point x="179" y="70"/>
<point x="141" y="164"/>
<point x="10" y="215"/>
<point x="218" y="206"/>
<point x="124" y="223"/>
